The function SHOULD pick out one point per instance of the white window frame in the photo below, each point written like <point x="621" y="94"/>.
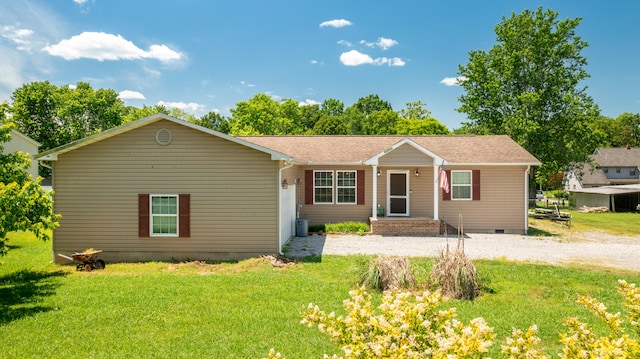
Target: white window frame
<point x="454" y="185"/>
<point x="152" y="215"/>
<point x="331" y="174"/>
<point x="355" y="186"/>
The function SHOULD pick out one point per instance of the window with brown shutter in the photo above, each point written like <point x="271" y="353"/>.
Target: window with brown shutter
<point x="164" y="215"/>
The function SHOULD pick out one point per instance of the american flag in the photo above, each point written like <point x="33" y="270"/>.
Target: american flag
<point x="444" y="181"/>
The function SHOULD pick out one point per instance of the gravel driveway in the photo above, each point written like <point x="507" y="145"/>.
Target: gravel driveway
<point x="591" y="249"/>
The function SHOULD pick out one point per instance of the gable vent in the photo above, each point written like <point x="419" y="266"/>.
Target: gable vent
<point x="163" y="137"/>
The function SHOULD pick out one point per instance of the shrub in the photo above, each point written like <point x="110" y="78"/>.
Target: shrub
<point x="317" y="228"/>
<point x="416" y="326"/>
<point x="404" y="326"/>
<point x="347" y="227"/>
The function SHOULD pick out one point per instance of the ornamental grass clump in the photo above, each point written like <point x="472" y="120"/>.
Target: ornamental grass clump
<point x="455" y="274"/>
<point x="387" y="273"/>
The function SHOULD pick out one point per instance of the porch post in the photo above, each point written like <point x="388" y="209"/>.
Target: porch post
<point x="436" y="174"/>
<point x="374" y="194"/>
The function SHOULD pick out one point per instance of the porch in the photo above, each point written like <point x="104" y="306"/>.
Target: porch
<point x="407" y="226"/>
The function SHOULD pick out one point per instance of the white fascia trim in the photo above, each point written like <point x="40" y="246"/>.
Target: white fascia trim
<point x="374" y="160"/>
<point x="275" y="156"/>
<point x="491" y="164"/>
<point x="311" y="163"/>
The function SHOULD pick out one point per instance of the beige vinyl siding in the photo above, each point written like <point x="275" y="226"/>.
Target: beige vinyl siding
<point x="405" y="155"/>
<point x="421" y="190"/>
<point x="234" y="195"/>
<point x="501" y="206"/>
<point x="335" y="213"/>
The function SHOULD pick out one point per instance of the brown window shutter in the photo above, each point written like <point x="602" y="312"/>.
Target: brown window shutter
<point x="143" y="215"/>
<point x="360" y="187"/>
<point x="475" y="180"/>
<point x="447" y="196"/>
<point x="184" y="219"/>
<point x="308" y="187"/>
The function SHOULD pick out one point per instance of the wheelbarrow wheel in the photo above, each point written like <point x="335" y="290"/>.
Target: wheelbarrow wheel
<point x="87" y="267"/>
<point x="100" y="264"/>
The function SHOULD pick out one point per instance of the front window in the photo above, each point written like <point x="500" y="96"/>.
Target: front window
<point x="164" y="215"/>
<point x="460" y="184"/>
<point x="346" y="186"/>
<point x="323" y="186"/>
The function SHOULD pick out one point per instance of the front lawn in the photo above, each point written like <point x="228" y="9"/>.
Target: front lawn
<point x="241" y="310"/>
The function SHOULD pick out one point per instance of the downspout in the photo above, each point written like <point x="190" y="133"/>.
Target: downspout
<point x="526" y="200"/>
<point x="287" y="165"/>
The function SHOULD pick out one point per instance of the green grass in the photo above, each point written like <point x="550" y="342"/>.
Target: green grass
<point x="240" y="310"/>
<point x="627" y="224"/>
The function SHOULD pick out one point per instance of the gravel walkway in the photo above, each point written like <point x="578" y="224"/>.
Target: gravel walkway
<point x="591" y="249"/>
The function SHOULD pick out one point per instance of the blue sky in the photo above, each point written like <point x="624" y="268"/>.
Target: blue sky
<point x="207" y="55"/>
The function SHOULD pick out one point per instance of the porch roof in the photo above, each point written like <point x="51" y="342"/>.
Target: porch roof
<point x="465" y="149"/>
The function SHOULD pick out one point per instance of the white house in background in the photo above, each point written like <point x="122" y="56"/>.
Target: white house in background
<point x="24" y="143"/>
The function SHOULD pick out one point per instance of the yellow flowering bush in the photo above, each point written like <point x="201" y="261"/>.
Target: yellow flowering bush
<point x="404" y="326"/>
<point x="582" y="342"/>
<point x="412" y="326"/>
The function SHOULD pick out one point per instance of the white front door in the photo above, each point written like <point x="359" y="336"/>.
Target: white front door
<point x="397" y="193"/>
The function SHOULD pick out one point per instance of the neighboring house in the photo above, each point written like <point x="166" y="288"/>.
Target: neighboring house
<point x="611" y="166"/>
<point x="613" y="181"/>
<point x="161" y="188"/>
<point x="21" y="142"/>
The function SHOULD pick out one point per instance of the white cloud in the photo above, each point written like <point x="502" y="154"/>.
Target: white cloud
<point x="244" y="83"/>
<point x="382" y="43"/>
<point x="316" y="62"/>
<point x="308" y="102"/>
<point x="345" y="43"/>
<point x="385" y="43"/>
<point x="336" y="23"/>
<point x="191" y="106"/>
<point x="80" y="2"/>
<point x="19" y="36"/>
<point x="101" y="46"/>
<point x="453" y="81"/>
<point x="356" y="58"/>
<point x="130" y="95"/>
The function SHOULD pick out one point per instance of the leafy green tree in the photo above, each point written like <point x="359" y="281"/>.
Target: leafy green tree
<point x="528" y="87"/>
<point x="627" y="130"/>
<point x="354" y="120"/>
<point x="134" y="113"/>
<point x="35" y="112"/>
<point x="309" y="114"/>
<point x="55" y="115"/>
<point x="381" y="122"/>
<point x="331" y="125"/>
<point x="332" y="107"/>
<point x="429" y="126"/>
<point x="262" y="115"/>
<point x="417" y="120"/>
<point x="372" y="103"/>
<point x="214" y="121"/>
<point x="24" y="204"/>
<point x="415" y="111"/>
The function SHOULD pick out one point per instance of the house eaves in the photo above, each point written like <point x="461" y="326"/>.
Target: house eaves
<point x="52" y="154"/>
<point x="407" y="141"/>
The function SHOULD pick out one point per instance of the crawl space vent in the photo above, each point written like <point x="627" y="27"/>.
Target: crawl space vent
<point x="163" y="137"/>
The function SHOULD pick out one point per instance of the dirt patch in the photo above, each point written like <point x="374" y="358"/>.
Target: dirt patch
<point x="201" y="267"/>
